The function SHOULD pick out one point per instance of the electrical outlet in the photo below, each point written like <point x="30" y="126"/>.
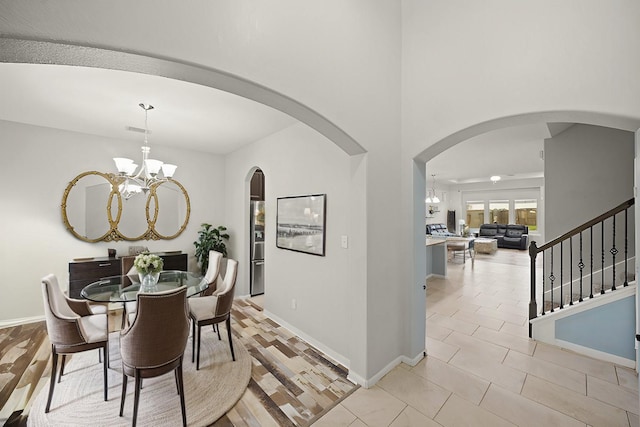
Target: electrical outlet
<point x="344" y="241"/>
<point x="294" y="304"/>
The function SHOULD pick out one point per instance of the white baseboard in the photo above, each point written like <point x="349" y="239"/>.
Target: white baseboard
<point x="368" y="383"/>
<point x="335" y="357"/>
<point x="596" y="354"/>
<point x="382" y="372"/>
<point x="15" y="322"/>
<point x="414" y="361"/>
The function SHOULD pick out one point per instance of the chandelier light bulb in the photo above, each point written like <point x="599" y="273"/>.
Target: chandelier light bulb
<point x="131" y="169"/>
<point x="122" y="164"/>
<point x="153" y="166"/>
<point x="168" y="170"/>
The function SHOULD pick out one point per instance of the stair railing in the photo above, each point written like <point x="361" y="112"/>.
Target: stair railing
<point x="553" y="254"/>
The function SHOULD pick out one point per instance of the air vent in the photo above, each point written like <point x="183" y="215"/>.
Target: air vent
<point x="135" y="129"/>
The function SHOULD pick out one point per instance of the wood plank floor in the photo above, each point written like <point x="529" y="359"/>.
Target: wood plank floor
<point x="292" y="384"/>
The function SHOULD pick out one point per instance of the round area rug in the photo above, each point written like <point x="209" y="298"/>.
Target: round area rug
<point x="209" y="393"/>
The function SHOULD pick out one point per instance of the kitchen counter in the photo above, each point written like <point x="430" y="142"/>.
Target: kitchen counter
<point x="436" y="256"/>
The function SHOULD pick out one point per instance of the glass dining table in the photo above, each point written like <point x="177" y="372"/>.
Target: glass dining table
<point x="126" y="288"/>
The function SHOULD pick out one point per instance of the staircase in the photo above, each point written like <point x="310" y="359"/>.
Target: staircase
<point x="583" y="288"/>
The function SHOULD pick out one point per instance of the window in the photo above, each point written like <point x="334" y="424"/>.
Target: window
<point x="527" y="213"/>
<point x="499" y="211"/>
<point x="475" y="214"/>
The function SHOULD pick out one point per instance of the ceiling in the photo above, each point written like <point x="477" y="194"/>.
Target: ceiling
<point x="511" y="153"/>
<point x="105" y="103"/>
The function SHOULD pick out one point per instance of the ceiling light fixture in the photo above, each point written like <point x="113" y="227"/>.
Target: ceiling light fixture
<point x="433" y="199"/>
<point x="495" y="178"/>
<point x="132" y="183"/>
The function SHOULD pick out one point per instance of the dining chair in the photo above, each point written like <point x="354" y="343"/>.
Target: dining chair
<point x="154" y="343"/>
<point x="213" y="310"/>
<point x="460" y="246"/>
<point x="73" y="326"/>
<point x="213" y="272"/>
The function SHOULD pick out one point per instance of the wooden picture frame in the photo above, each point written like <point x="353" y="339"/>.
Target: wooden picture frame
<point x="301" y="223"/>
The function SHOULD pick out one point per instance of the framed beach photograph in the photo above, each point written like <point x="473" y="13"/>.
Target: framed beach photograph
<point x="301" y="223"/>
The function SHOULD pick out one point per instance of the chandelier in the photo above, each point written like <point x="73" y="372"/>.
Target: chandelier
<point x="433" y="199"/>
<point x="132" y="183"/>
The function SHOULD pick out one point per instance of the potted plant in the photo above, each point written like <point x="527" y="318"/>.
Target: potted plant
<point x="210" y="239"/>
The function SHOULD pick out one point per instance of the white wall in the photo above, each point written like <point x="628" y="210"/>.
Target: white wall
<point x="461" y="69"/>
<point x="297" y="161"/>
<point x="590" y="166"/>
<point x="35" y="167"/>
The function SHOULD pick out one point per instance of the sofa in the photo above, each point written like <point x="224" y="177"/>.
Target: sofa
<point x="511" y="236"/>
<point x="438" y="230"/>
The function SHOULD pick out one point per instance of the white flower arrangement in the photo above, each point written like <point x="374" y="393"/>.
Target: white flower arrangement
<point x="146" y="263"/>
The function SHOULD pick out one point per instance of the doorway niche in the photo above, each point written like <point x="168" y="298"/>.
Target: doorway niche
<point x="257" y="185"/>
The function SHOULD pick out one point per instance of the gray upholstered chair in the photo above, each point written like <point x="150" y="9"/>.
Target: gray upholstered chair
<point x="154" y="343"/>
<point x="213" y="270"/>
<point x="73" y="326"/>
<point x="214" y="309"/>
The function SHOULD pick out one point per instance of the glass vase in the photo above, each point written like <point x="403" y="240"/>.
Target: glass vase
<point x="149" y="282"/>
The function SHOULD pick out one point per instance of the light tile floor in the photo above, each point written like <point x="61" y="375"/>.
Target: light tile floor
<point x="483" y="370"/>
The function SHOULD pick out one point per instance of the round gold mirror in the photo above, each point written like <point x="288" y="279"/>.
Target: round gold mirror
<point x="89" y="204"/>
<point x="93" y="210"/>
<point x="168" y="209"/>
<point x="133" y="225"/>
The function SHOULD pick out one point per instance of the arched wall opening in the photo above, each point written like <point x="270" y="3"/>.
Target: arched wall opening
<point x="41" y="52"/>
<point x="44" y="52"/>
<point x="603" y="119"/>
<point x="255" y="264"/>
<point x="610" y="120"/>
<point x="347" y="187"/>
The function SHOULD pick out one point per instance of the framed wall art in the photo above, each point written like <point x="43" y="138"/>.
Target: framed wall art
<point x="301" y="223"/>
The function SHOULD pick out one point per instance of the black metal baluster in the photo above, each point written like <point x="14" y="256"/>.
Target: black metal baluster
<point x="626" y="247"/>
<point x="552" y="278"/>
<point x="561" y="276"/>
<point x="602" y="251"/>
<point x="533" y="305"/>
<point x="543" y="280"/>
<point x="591" y="231"/>
<point x="571" y="270"/>
<point x="581" y="267"/>
<point x="614" y="252"/>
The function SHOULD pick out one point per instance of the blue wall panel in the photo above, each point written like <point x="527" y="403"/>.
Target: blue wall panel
<point x="608" y="328"/>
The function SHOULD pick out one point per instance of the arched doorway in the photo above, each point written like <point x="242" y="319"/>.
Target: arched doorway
<point x="587" y="118"/>
<point x="256" y="234"/>
<point x="44" y="52"/>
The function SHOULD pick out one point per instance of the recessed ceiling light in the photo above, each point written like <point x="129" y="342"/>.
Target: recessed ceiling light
<point x="495" y="178"/>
